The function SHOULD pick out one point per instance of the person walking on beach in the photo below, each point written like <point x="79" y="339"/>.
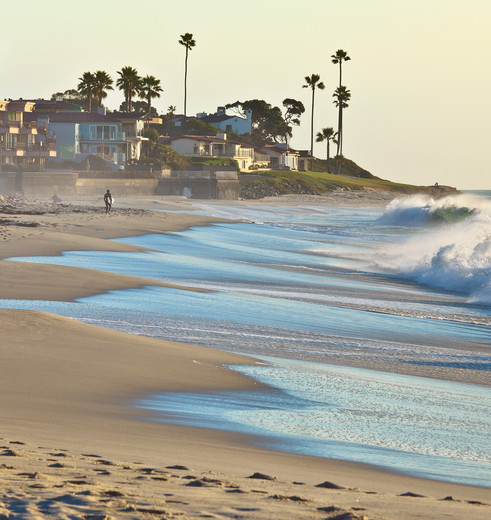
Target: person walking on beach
<point x="108" y="200"/>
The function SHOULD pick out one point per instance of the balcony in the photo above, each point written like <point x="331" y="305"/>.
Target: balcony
<point x="29" y="150"/>
<point x="17" y="127"/>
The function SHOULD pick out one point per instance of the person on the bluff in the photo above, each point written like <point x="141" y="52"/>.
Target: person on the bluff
<point x="108" y="200"/>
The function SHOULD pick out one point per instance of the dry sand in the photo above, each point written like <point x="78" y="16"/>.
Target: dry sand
<point x="72" y="447"/>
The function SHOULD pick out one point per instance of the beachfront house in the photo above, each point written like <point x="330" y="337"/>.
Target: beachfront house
<point x="22" y="144"/>
<point x="132" y="126"/>
<point x="213" y="147"/>
<point x="278" y="156"/>
<point x="228" y="123"/>
<point x="80" y="134"/>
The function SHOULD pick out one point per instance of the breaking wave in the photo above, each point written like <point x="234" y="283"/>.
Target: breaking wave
<point x="455" y="256"/>
<point x="420" y="210"/>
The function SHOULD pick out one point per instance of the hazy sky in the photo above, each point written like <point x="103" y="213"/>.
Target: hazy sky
<point x="419" y="75"/>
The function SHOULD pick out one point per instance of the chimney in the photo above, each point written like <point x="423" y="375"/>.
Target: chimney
<point x="101" y="110"/>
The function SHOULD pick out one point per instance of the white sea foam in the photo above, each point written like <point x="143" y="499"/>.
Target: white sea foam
<point x="455" y="255"/>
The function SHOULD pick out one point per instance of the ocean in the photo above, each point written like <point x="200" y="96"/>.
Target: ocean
<point x="360" y="317"/>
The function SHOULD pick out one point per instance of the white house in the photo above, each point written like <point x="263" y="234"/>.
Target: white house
<point x="211" y="146"/>
<point x="279" y="156"/>
<point x="228" y="123"/>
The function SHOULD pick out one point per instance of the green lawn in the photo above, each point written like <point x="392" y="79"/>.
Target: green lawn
<point x="321" y="182"/>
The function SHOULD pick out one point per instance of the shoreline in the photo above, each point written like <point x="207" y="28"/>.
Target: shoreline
<point x="62" y="388"/>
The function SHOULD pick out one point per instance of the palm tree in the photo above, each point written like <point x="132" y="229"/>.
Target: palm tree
<point x="102" y="82"/>
<point x="188" y="42"/>
<point x="86" y="87"/>
<point x="338" y="58"/>
<point x="129" y="83"/>
<point x="313" y="82"/>
<point x="330" y="135"/>
<point x="150" y="88"/>
<point x="342" y="95"/>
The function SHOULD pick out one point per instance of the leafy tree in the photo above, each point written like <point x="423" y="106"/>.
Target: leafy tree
<point x="195" y="126"/>
<point x="342" y="95"/>
<point x="70" y="96"/>
<point x="329" y="135"/>
<point x="188" y="42"/>
<point x="150" y="88"/>
<point x="294" y="109"/>
<point x="313" y="82"/>
<point x="87" y="87"/>
<point x="165" y="156"/>
<point x="267" y="122"/>
<point x="102" y="82"/>
<point x="151" y="133"/>
<point x="139" y="107"/>
<point x="338" y="58"/>
<point x="129" y="83"/>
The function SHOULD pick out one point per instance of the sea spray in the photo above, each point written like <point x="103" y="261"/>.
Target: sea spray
<point x="455" y="255"/>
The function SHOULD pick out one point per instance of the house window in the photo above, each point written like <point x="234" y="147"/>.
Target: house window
<point x="102" y="132"/>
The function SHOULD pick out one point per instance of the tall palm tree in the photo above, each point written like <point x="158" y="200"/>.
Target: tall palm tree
<point x="150" y="88"/>
<point x="129" y="83"/>
<point x="313" y="82"/>
<point x="342" y="95"/>
<point x="338" y="58"/>
<point x="188" y="42"/>
<point x="102" y="82"/>
<point x="329" y="135"/>
<point x="86" y="87"/>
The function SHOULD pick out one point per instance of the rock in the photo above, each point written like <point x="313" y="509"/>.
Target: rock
<point x="262" y="476"/>
<point x="329" y="485"/>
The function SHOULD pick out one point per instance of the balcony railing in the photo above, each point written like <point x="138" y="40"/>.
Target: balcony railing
<point x="6" y="125"/>
<point x="118" y="136"/>
<point x="36" y="147"/>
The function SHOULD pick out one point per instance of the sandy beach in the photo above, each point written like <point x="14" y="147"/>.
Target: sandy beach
<point x="72" y="447"/>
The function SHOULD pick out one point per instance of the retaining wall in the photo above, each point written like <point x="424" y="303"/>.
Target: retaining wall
<point x="221" y="185"/>
<point x="118" y="187"/>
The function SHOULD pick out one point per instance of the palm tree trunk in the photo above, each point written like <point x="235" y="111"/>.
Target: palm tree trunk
<point x="312" y="130"/>
<point x="185" y="79"/>
<point x="340" y="128"/>
<point x="340" y="114"/>
<point x="327" y="156"/>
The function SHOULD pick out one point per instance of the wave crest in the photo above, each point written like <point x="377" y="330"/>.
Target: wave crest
<point x="420" y="210"/>
<point x="455" y="257"/>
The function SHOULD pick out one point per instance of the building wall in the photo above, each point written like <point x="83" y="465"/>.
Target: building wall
<point x="67" y="140"/>
<point x="187" y="147"/>
<point x="119" y="187"/>
<point x="237" y="124"/>
<point x="223" y="189"/>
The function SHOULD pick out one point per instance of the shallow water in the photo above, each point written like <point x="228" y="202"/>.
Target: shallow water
<point x="308" y="286"/>
<point x="400" y="422"/>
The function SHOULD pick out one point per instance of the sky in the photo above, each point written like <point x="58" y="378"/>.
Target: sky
<point x="419" y="74"/>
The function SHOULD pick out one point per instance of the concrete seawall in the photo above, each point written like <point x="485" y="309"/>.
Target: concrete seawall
<point x="199" y="185"/>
